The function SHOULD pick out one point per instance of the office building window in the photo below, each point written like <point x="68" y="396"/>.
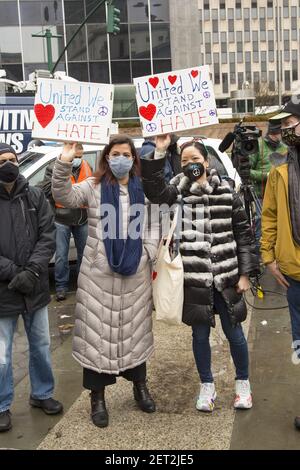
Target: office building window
<point x="230" y="13"/>
<point x="294" y="65"/>
<point x="263" y="60"/>
<point x="272" y="80"/>
<point x="271" y="45"/>
<point x="225" y="82"/>
<point x="216" y="68"/>
<point x="208" y="59"/>
<point x="232" y="68"/>
<point x="238" y="10"/>
<point x="247" y="30"/>
<point x="285" y="9"/>
<point x="287" y="80"/>
<point x="270" y="9"/>
<point x="286" y="45"/>
<point x="239" y="41"/>
<point x="240" y="80"/>
<point x="222" y="10"/>
<point x="294" y="23"/>
<point x="214" y="14"/>
<point x="248" y="66"/>
<point x="256" y="81"/>
<point x="206" y="10"/>
<point x="240" y="57"/>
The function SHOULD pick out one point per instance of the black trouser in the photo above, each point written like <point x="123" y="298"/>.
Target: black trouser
<point x="94" y="381"/>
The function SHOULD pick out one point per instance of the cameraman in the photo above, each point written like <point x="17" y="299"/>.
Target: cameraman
<point x="271" y="152"/>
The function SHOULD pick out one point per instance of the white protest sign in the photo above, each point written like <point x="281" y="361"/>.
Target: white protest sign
<point x="176" y="101"/>
<point x="73" y="111"/>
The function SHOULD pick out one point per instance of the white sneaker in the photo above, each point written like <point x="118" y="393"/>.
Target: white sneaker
<point x="243" y="396"/>
<point x="207" y="397"/>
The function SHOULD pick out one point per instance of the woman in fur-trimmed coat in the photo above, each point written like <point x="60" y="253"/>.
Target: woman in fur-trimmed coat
<point x="218" y="254"/>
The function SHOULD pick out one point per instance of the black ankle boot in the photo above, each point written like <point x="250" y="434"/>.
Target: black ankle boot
<point x="99" y="413"/>
<point x="143" y="397"/>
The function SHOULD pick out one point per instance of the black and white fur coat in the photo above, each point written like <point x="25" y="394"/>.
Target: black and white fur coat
<point x="216" y="242"/>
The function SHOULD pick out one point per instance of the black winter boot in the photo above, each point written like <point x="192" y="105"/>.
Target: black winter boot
<point x="99" y="413"/>
<point x="5" y="421"/>
<point x="143" y="397"/>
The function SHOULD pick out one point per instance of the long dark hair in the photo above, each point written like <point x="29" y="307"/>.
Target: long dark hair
<point x="105" y="171"/>
<point x="198" y="145"/>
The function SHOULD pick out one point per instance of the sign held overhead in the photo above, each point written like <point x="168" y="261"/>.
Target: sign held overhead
<point x="176" y="101"/>
<point x="73" y="111"/>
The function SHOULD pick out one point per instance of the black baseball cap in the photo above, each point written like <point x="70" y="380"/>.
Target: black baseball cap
<point x="291" y="108"/>
<point x="274" y="126"/>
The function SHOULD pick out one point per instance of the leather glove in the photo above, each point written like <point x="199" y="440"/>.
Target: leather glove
<point x="24" y="282"/>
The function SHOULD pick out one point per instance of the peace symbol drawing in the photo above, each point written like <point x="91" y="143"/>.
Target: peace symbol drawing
<point x="151" y="127"/>
<point x="103" y="111"/>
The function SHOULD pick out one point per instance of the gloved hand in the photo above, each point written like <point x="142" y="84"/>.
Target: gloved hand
<point x="23" y="282"/>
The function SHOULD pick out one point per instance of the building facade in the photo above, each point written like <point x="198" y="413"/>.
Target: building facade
<point x="142" y="46"/>
<point x="245" y="42"/>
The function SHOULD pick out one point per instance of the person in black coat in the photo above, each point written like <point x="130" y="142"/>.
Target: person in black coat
<point x="172" y="160"/>
<point x="27" y="243"/>
<point x="218" y="254"/>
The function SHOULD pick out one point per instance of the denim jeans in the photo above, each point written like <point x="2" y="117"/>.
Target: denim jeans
<point x="63" y="235"/>
<point x="293" y="297"/>
<point x="40" y="371"/>
<point x="235" y="336"/>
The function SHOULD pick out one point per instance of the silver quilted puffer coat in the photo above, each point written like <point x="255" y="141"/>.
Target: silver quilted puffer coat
<point x="113" y="326"/>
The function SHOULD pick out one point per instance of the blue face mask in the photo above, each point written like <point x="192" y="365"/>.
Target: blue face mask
<point x="120" y="166"/>
<point x="76" y="162"/>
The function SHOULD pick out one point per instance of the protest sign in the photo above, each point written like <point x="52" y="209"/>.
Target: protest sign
<point x="73" y="111"/>
<point x="176" y="101"/>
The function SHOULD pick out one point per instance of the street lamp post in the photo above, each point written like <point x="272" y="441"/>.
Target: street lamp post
<point x="49" y="36"/>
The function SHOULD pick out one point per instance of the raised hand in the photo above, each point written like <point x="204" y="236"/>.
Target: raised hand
<point x="162" y="142"/>
<point x="69" y="151"/>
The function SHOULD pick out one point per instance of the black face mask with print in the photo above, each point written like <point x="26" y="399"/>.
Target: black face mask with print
<point x="193" y="171"/>
<point x="289" y="136"/>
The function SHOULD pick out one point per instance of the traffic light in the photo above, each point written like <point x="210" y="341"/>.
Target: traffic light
<point x="113" y="19"/>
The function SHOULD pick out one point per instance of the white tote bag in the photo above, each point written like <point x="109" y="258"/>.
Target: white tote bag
<point x="168" y="281"/>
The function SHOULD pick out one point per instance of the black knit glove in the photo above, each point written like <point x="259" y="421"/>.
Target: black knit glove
<point x="24" y="282"/>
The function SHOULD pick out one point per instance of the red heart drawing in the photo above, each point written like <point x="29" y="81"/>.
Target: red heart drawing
<point x="154" y="275"/>
<point x="154" y="81"/>
<point x="44" y="114"/>
<point x="194" y="73"/>
<point x="148" y="112"/>
<point x="172" y="79"/>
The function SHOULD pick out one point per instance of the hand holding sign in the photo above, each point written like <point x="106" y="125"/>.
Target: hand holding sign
<point x="162" y="142"/>
<point x="69" y="151"/>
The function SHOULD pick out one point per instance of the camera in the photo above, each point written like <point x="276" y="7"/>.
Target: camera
<point x="246" y="139"/>
<point x="245" y="143"/>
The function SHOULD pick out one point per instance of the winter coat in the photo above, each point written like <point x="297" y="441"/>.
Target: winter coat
<point x="63" y="215"/>
<point x="262" y="162"/>
<point x="113" y="326"/>
<point x="27" y="238"/>
<point x="277" y="241"/>
<point x="216" y="243"/>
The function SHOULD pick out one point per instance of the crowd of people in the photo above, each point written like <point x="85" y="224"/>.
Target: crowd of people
<point x="117" y="246"/>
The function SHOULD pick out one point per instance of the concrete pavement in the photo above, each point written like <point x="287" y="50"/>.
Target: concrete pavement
<point x="174" y="384"/>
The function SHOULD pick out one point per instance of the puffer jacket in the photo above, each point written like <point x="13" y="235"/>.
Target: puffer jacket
<point x="216" y="243"/>
<point x="27" y="238"/>
<point x="113" y="326"/>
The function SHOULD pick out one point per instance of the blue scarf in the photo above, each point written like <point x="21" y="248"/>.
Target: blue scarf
<point x="123" y="255"/>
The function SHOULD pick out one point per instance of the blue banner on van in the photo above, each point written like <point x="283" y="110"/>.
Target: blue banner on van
<point x="16" y="117"/>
